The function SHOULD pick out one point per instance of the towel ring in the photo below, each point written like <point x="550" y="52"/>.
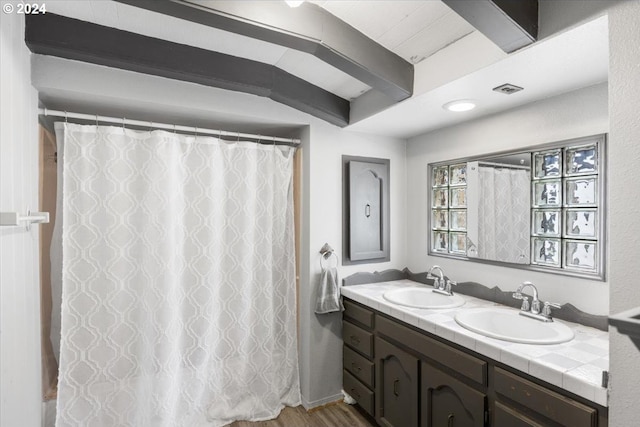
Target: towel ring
<point x="326" y="256"/>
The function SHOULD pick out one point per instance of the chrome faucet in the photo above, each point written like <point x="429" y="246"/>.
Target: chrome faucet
<point x="436" y="280"/>
<point x="533" y="310"/>
<point x="439" y="284"/>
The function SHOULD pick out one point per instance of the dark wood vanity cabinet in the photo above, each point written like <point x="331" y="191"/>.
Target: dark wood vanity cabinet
<point x="358" y="376"/>
<point x="405" y="377"/>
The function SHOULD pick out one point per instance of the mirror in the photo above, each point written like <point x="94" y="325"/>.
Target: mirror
<point x="539" y="209"/>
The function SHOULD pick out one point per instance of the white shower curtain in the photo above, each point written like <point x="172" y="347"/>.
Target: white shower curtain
<point x="178" y="281"/>
<point x="504" y="214"/>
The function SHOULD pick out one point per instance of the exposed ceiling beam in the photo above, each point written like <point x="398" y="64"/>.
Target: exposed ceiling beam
<point x="308" y="28"/>
<point x="56" y="35"/>
<point x="510" y="24"/>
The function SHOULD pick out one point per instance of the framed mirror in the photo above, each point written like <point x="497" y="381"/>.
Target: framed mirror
<point x="542" y="208"/>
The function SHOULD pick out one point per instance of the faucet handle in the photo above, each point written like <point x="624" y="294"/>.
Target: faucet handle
<point x="447" y="286"/>
<point x="525" y="303"/>
<point x="546" y="309"/>
<point x="450" y="283"/>
<point x="436" y="280"/>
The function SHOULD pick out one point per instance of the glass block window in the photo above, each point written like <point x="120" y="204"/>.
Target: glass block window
<point x="448" y="209"/>
<point x="565" y="201"/>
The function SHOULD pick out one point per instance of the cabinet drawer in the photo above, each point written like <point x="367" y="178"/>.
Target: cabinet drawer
<point x="360" y="367"/>
<point x="465" y="364"/>
<point x="358" y="339"/>
<point x="550" y="404"/>
<point x="358" y="391"/>
<point x="358" y="314"/>
<point x="503" y="416"/>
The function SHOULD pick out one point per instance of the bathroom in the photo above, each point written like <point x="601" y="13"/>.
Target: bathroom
<point x="609" y="106"/>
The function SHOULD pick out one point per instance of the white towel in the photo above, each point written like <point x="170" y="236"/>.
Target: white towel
<point x="328" y="299"/>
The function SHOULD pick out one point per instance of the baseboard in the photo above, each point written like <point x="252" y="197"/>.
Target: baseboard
<point x="321" y="402"/>
<point x="49" y="413"/>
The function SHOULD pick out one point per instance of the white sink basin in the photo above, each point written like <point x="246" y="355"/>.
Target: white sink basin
<point x="509" y="325"/>
<point x="422" y="298"/>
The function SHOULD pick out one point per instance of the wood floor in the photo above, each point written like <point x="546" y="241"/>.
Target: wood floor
<point x="333" y="415"/>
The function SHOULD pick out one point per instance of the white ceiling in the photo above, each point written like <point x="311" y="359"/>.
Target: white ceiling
<point x="414" y="30"/>
<point x="460" y="62"/>
<point x="572" y="60"/>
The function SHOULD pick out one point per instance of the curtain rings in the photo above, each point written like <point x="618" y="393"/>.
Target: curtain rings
<point x="123" y="120"/>
<point x="65" y="117"/>
<point x="97" y="121"/>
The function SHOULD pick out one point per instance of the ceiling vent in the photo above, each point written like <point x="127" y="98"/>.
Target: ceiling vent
<point x="507" y="89"/>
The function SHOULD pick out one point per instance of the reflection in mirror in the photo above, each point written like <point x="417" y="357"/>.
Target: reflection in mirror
<point x="498" y="208"/>
<point x="542" y="209"/>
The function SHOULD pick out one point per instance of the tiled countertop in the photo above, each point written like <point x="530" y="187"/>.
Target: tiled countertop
<point x="575" y="366"/>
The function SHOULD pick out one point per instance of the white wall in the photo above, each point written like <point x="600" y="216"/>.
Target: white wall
<point x="572" y="115"/>
<point x="20" y="389"/>
<point x="322" y="342"/>
<point x="624" y="205"/>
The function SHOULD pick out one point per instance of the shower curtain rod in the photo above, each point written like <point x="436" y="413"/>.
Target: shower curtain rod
<point x="124" y="121"/>
<point x="503" y="165"/>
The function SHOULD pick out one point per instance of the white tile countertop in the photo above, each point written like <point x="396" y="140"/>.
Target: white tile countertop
<point x="575" y="366"/>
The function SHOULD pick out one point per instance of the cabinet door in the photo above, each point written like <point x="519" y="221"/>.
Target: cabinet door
<point x="396" y="386"/>
<point x="447" y="402"/>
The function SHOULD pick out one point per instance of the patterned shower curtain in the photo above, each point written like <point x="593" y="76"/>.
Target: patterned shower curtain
<point x="178" y="281"/>
<point x="504" y="214"/>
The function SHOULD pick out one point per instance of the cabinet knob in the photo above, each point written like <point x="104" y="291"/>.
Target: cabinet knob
<point x="450" y="420"/>
<point x="355" y="367"/>
<point x="395" y="387"/>
<point x="354" y="340"/>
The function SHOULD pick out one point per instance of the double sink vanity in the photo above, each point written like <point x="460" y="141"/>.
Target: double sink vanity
<point x="420" y="355"/>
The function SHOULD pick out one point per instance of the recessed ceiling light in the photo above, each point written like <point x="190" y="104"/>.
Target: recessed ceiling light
<point x="294" y="3"/>
<point x="460" y="105"/>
